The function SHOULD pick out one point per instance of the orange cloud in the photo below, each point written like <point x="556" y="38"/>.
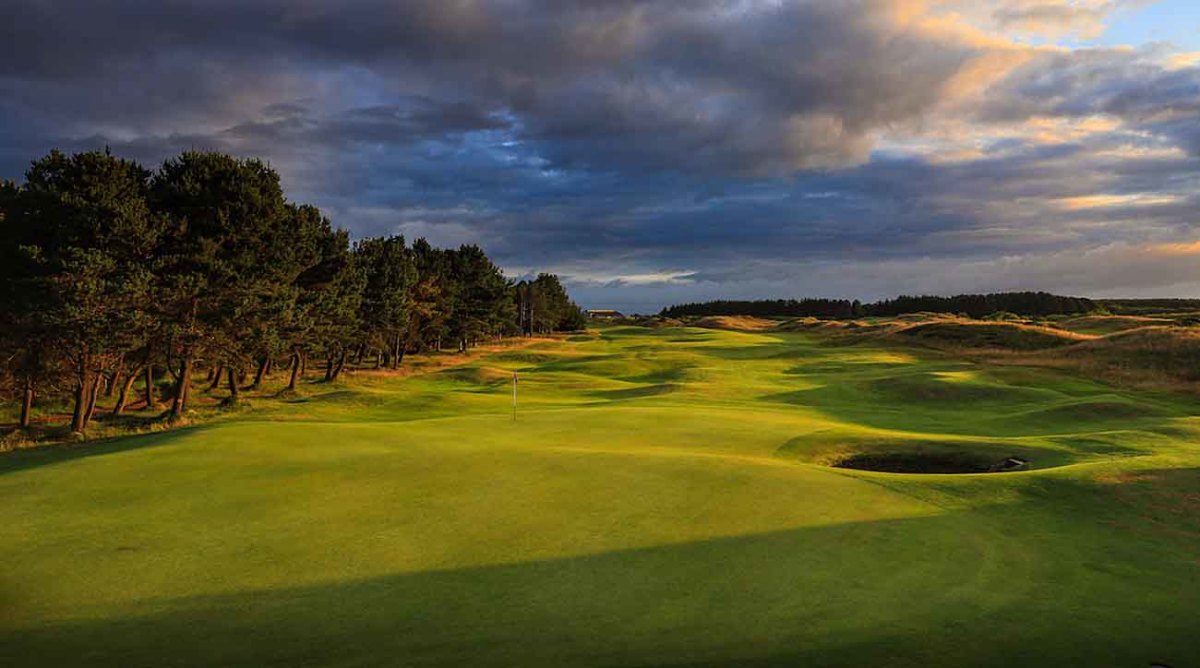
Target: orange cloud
<point x="1109" y="201"/>
<point x="1175" y="250"/>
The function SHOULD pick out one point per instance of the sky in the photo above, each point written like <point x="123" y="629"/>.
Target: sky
<point x="659" y="151"/>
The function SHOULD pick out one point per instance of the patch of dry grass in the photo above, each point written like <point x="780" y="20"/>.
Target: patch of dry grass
<point x="975" y="334"/>
<point x="1108" y="324"/>
<point x="943" y="332"/>
<point x="735" y="322"/>
<point x="1154" y="358"/>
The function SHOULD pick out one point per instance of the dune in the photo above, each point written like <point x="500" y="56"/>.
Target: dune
<point x="735" y="322"/>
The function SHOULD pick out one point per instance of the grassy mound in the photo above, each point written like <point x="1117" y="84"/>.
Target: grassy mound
<point x="1161" y="345"/>
<point x="798" y="324"/>
<point x="844" y="331"/>
<point x="1096" y="411"/>
<point x="735" y="323"/>
<point x="924" y="316"/>
<point x="1109" y="324"/>
<point x="1167" y="357"/>
<point x="937" y="390"/>
<point x="476" y="375"/>
<point x="983" y="335"/>
<point x="637" y="392"/>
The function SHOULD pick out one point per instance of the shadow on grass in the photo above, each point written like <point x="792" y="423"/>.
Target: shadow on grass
<point x="957" y="455"/>
<point x="923" y="403"/>
<point x="762" y="351"/>
<point x="44" y="455"/>
<point x="678" y="334"/>
<point x="910" y="592"/>
<point x="668" y="371"/>
<point x="844" y="368"/>
<point x="636" y="392"/>
<point x="580" y="364"/>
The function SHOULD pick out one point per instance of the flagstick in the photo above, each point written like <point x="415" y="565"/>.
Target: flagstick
<point x="514" y="396"/>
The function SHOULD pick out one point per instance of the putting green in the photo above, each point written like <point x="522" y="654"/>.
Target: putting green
<point x="664" y="498"/>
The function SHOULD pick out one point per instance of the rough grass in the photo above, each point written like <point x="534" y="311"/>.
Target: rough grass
<point x="1108" y="324"/>
<point x="735" y="322"/>
<point x="1160" y="358"/>
<point x="999" y="335"/>
<point x="409" y="520"/>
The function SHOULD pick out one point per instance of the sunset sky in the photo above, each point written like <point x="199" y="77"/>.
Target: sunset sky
<point x="659" y="151"/>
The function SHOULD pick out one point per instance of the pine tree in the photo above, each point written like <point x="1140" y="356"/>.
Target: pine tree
<point x="87" y="231"/>
<point x="383" y="313"/>
<point x="231" y="261"/>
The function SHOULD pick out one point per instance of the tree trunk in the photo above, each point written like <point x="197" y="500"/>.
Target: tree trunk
<point x="112" y="381"/>
<point x="234" y="395"/>
<point x="93" y="394"/>
<point x="81" y="402"/>
<point x="260" y="373"/>
<point x="400" y="352"/>
<point x="295" y="372"/>
<point x="216" y="378"/>
<point x="182" y="387"/>
<point x="27" y="405"/>
<point x="150" y="399"/>
<point x="123" y="395"/>
<point x="341" y="365"/>
<point x="358" y="354"/>
<point x="303" y="365"/>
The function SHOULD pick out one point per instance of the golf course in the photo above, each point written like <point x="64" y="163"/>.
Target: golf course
<point x="671" y="496"/>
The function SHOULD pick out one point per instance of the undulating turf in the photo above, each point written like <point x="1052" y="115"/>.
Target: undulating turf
<point x="665" y="497"/>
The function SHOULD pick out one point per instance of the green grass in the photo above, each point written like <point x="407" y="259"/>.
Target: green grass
<point x="664" y="498"/>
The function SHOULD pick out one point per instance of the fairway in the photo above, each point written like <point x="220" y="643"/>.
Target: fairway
<point x="664" y="497"/>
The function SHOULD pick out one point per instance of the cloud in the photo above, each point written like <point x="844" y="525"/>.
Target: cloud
<point x="646" y="149"/>
<point x="712" y="85"/>
<point x="1042" y="17"/>
<point x="1135" y="87"/>
<point x="1111" y="201"/>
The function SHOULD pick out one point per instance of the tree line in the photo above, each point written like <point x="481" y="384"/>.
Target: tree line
<point x="1149" y="306"/>
<point x="814" y="307"/>
<point x="974" y="305"/>
<point x="111" y="274"/>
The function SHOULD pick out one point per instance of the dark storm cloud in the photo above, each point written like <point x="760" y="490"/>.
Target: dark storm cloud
<point x="667" y="147"/>
<point x="621" y="85"/>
